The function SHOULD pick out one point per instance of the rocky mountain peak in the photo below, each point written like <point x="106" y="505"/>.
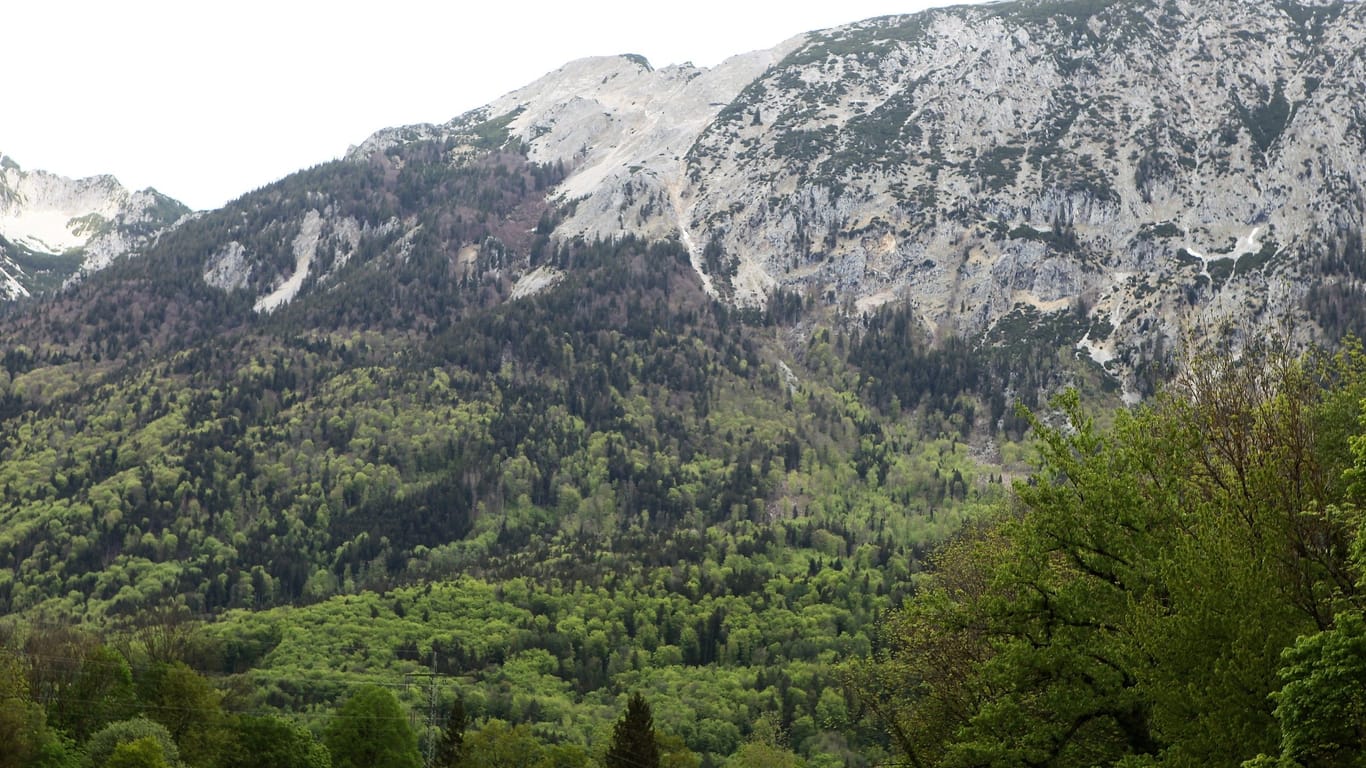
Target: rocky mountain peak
<point x="1128" y="175"/>
<point x="1156" y="168"/>
<point x="52" y="227"/>
<point x="620" y="127"/>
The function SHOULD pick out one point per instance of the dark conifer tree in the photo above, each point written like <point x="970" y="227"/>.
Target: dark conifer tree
<point x="451" y="750"/>
<point x="633" y="738"/>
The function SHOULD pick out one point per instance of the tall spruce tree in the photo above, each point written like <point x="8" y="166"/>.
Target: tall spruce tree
<point x="451" y="748"/>
<point x="633" y="737"/>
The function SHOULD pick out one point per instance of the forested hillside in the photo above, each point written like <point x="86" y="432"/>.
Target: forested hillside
<point x="547" y="498"/>
<point x="488" y="446"/>
<point x="1182" y="586"/>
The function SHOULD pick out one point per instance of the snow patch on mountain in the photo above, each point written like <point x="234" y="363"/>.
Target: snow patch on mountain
<point x="49" y="231"/>
<point x="12" y="288"/>
<point x="48" y="215"/>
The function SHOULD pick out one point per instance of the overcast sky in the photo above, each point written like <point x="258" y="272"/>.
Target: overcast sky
<point x="208" y="100"/>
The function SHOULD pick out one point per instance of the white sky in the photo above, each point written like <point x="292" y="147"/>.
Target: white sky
<point x="208" y="100"/>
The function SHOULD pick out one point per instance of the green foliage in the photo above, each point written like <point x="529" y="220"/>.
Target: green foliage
<point x="764" y="756"/>
<point x="21" y="720"/>
<point x="674" y="753"/>
<point x="145" y="752"/>
<point x="498" y="745"/>
<point x="999" y="166"/>
<point x="633" y="737"/>
<point x="105" y="744"/>
<point x="43" y="272"/>
<point x="102" y="693"/>
<point x="861" y="40"/>
<point x="190" y="708"/>
<point x="803" y="145"/>
<point x="272" y="742"/>
<point x="1257" y="262"/>
<point x="1322" y="707"/>
<point x="493" y="133"/>
<point x="1059" y="238"/>
<point x="371" y="731"/>
<point x="1164" y="230"/>
<point x="1136" y="612"/>
<point x="54" y="751"/>
<point x="955" y="380"/>
<point x="617" y="484"/>
<point x="611" y="485"/>
<point x="1265" y="121"/>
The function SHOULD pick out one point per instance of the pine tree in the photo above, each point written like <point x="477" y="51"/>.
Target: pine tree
<point x="452" y="747"/>
<point x="633" y="737"/>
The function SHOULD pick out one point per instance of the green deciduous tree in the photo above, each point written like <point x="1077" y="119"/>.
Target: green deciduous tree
<point x="499" y="745"/>
<point x="1322" y="707"/>
<point x="371" y="731"/>
<point x="755" y="755"/>
<point x="145" y="752"/>
<point x="1134" y="604"/>
<point x="102" y="692"/>
<point x="21" y="720"/>
<point x="190" y="708"/>
<point x="674" y="752"/>
<point x="272" y="742"/>
<point x="103" y="744"/>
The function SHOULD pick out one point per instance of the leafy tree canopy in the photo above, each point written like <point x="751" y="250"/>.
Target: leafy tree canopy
<point x="371" y="731"/>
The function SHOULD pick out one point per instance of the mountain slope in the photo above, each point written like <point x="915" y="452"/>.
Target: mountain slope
<point x="1167" y="164"/>
<point x="1163" y="168"/>
<point x="52" y="227"/>
<point x="664" y="379"/>
<point x="535" y="436"/>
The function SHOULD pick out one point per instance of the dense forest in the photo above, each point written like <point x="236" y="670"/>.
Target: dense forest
<point x="1180" y="585"/>
<point x="417" y="515"/>
<point x="538" y="504"/>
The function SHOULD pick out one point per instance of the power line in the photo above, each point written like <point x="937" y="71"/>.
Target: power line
<point x="350" y="681"/>
<point x="433" y="718"/>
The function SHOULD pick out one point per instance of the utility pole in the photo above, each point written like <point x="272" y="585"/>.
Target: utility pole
<point x="433" y="678"/>
<point x="431" y="714"/>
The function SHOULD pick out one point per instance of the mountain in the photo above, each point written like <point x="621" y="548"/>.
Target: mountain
<point x="1115" y="175"/>
<point x="1159" y="170"/>
<point x="663" y="379"/>
<point x="912" y="223"/>
<point x="53" y="227"/>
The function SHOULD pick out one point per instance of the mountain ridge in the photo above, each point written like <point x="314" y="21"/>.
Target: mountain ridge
<point x="997" y="161"/>
<point x="53" y="228"/>
<point x="592" y="393"/>
<point x="1134" y="177"/>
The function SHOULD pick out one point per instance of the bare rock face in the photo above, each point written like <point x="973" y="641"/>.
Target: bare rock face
<point x="53" y="228"/>
<point x="1169" y="166"/>
<point x="621" y="127"/>
<point x="1161" y="169"/>
<point x="318" y="243"/>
